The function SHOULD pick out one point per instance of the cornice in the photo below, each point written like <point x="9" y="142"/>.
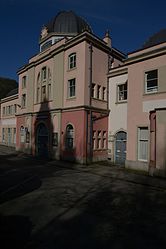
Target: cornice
<point x="85" y="36"/>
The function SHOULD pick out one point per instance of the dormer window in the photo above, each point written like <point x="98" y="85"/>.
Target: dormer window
<point x="72" y="60"/>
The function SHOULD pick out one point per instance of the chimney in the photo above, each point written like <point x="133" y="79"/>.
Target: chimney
<point x="108" y="39"/>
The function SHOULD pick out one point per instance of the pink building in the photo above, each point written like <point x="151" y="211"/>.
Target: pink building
<point x="63" y="93"/>
<point x="141" y="112"/>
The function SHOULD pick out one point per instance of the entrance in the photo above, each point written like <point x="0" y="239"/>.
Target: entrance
<point x="120" y="147"/>
<point x="42" y="141"/>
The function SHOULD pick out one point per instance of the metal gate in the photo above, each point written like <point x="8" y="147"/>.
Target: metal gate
<point x="120" y="147"/>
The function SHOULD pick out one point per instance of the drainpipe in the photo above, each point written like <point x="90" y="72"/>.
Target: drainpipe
<point x="90" y="104"/>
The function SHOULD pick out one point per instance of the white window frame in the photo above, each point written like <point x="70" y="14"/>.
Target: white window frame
<point x="98" y="91"/>
<point x="93" y="90"/>
<point x="69" y="137"/>
<point x="154" y="89"/>
<point x="122" y="93"/>
<point x="72" y="61"/>
<point x="143" y="142"/>
<point x="71" y="88"/>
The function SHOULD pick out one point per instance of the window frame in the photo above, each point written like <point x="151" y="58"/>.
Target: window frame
<point x="70" y="88"/>
<point x="24" y="81"/>
<point x="44" y="73"/>
<point x="69" y="137"/>
<point x="139" y="143"/>
<point x="23" y="101"/>
<point x="154" y="89"/>
<point x="123" y="92"/>
<point x="72" y="61"/>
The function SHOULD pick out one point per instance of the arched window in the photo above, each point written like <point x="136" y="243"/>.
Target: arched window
<point x="22" y="134"/>
<point x="44" y="85"/>
<point x="72" y="61"/>
<point x="38" y="89"/>
<point x="49" y="84"/>
<point x="69" y="136"/>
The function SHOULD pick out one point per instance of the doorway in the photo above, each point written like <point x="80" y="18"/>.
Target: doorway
<point x="120" y="147"/>
<point x="42" y="141"/>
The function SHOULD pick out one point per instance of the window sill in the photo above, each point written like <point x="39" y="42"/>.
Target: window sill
<point x="71" y="69"/>
<point x="121" y="102"/>
<point x="71" y="98"/>
<point x="103" y="100"/>
<point x="100" y="149"/>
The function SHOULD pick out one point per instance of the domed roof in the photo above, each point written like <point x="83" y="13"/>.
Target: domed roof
<point x="155" y="39"/>
<point x="67" y="22"/>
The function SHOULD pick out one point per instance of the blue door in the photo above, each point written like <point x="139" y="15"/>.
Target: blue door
<point x="120" y="147"/>
<point x="42" y="141"/>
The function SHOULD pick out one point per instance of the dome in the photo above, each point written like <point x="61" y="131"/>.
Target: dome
<point x="67" y="22"/>
<point x="155" y="39"/>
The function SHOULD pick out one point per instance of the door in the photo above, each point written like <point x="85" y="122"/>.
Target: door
<point x="42" y="141"/>
<point x="120" y="147"/>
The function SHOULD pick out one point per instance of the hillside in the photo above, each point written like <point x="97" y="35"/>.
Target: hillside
<point x="6" y="85"/>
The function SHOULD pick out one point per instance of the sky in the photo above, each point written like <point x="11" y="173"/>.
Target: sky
<point x="130" y="24"/>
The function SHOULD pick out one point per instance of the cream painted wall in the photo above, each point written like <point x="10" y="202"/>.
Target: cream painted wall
<point x="118" y="113"/>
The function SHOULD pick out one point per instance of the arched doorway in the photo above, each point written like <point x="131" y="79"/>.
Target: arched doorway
<point x="42" y="141"/>
<point x="120" y="147"/>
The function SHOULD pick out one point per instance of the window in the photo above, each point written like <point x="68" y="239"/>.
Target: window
<point x="24" y="82"/>
<point x="3" y="135"/>
<point x="23" y="100"/>
<point x="143" y="143"/>
<point x="49" y="91"/>
<point x="93" y="90"/>
<point x="44" y="73"/>
<point x="4" y="110"/>
<point x="104" y="93"/>
<point x="22" y="134"/>
<point x="122" y="92"/>
<point x="14" y="135"/>
<point x="71" y="88"/>
<point x="15" y="108"/>
<point x="69" y="137"/>
<point x="98" y="91"/>
<point x="72" y="60"/>
<point x="99" y="140"/>
<point x="151" y="81"/>
<point x="94" y="140"/>
<point x="9" y="136"/>
<point x="43" y="93"/>
<point x="104" y="140"/>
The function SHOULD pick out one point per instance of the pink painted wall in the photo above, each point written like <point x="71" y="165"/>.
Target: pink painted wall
<point x="99" y="73"/>
<point x="78" y="73"/>
<point x="78" y="120"/>
<point x="100" y="125"/>
<point x="136" y="117"/>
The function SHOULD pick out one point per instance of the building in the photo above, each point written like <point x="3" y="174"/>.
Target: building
<point x="8" y="118"/>
<point x="63" y="92"/>
<point x="138" y="103"/>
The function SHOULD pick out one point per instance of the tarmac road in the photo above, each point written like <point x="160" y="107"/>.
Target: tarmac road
<point x="57" y="205"/>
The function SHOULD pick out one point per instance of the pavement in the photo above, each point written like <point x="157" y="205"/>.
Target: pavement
<point x="60" y="205"/>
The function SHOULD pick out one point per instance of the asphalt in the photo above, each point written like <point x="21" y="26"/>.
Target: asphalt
<point x="60" y="205"/>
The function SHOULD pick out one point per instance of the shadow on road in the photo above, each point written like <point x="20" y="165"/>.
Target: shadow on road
<point x="15" y="231"/>
<point x="115" y="220"/>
